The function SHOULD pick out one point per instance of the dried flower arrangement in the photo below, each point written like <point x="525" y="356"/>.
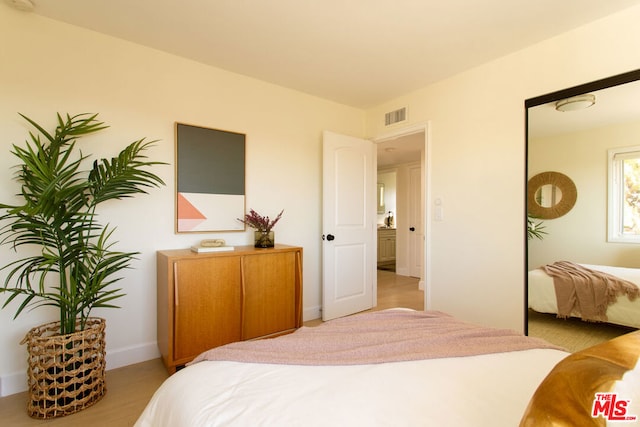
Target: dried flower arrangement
<point x="261" y="223"/>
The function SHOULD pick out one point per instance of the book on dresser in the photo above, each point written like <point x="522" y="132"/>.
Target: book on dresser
<point x="206" y="249"/>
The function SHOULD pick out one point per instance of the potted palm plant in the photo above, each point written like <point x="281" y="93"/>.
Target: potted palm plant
<point x="534" y="229"/>
<point x="57" y="214"/>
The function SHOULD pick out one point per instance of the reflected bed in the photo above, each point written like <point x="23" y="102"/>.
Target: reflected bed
<point x="625" y="312"/>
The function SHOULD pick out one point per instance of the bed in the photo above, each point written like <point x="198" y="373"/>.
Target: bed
<point x="388" y="368"/>
<point x="624" y="311"/>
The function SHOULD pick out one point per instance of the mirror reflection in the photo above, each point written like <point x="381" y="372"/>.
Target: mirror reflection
<point x="381" y="205"/>
<point x="584" y="145"/>
<point x="548" y="195"/>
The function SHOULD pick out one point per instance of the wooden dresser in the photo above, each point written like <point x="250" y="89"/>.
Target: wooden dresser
<point x="210" y="299"/>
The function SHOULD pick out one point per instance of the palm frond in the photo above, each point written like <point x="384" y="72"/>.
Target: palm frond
<point x="535" y="229"/>
<point x="124" y="175"/>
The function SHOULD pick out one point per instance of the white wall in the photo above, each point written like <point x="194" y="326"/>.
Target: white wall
<point x="50" y="67"/>
<point x="477" y="134"/>
<point x="581" y="234"/>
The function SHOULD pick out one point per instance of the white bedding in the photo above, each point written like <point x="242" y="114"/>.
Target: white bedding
<point x="542" y="296"/>
<point x="485" y="390"/>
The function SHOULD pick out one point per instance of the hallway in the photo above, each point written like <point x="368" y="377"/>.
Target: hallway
<point x="398" y="291"/>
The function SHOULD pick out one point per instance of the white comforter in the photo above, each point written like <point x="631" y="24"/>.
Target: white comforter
<point x="542" y="295"/>
<point x="486" y="390"/>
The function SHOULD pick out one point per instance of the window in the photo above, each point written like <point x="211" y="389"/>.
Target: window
<point x="624" y="195"/>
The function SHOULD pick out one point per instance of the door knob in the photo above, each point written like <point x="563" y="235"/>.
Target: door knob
<point x="330" y="237"/>
<point x="412" y="229"/>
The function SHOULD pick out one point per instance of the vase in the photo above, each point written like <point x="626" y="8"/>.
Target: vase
<point x="264" y="239"/>
<point x="66" y="373"/>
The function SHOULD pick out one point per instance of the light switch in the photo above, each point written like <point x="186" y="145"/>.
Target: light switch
<point x="438" y="213"/>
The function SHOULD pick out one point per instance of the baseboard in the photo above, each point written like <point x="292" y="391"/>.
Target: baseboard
<point x="13" y="383"/>
<point x="311" y="314"/>
<point x="17" y="382"/>
<point x="402" y="271"/>
<point x="132" y="355"/>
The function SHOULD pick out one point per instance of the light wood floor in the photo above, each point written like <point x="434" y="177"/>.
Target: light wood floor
<point x="128" y="392"/>
<point x="130" y="388"/>
<point x="393" y="291"/>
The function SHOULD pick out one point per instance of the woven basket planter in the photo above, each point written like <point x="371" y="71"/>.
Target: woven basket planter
<point x="66" y="373"/>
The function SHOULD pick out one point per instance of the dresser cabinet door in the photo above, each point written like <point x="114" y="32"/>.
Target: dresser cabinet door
<point x="207" y="304"/>
<point x="270" y="293"/>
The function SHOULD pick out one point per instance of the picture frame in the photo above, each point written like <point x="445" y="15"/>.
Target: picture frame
<point x="210" y="179"/>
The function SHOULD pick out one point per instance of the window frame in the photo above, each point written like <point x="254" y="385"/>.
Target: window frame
<point x="615" y="194"/>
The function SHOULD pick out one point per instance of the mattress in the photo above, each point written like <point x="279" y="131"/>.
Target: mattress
<point x="435" y="371"/>
<point x="475" y="391"/>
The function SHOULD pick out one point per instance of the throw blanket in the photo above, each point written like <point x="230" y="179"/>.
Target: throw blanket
<point x="377" y="337"/>
<point x="586" y="292"/>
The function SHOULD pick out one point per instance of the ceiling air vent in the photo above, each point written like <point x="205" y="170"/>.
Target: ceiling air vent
<point x="395" y="116"/>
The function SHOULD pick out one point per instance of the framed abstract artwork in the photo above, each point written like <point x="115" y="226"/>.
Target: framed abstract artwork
<point x="210" y="179"/>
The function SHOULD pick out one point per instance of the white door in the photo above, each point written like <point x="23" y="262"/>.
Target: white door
<point x="348" y="225"/>
<point x="416" y="223"/>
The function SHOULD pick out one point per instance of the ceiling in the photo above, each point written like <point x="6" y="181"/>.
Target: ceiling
<point x="614" y="105"/>
<point x="356" y="52"/>
<point x="404" y="149"/>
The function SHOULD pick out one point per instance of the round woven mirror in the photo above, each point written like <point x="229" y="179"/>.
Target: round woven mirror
<point x="550" y="195"/>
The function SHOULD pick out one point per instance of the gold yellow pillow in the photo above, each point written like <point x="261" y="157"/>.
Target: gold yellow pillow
<point x="579" y="390"/>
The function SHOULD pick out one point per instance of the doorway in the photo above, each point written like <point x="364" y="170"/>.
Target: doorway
<point x="341" y="292"/>
<point x="402" y="239"/>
